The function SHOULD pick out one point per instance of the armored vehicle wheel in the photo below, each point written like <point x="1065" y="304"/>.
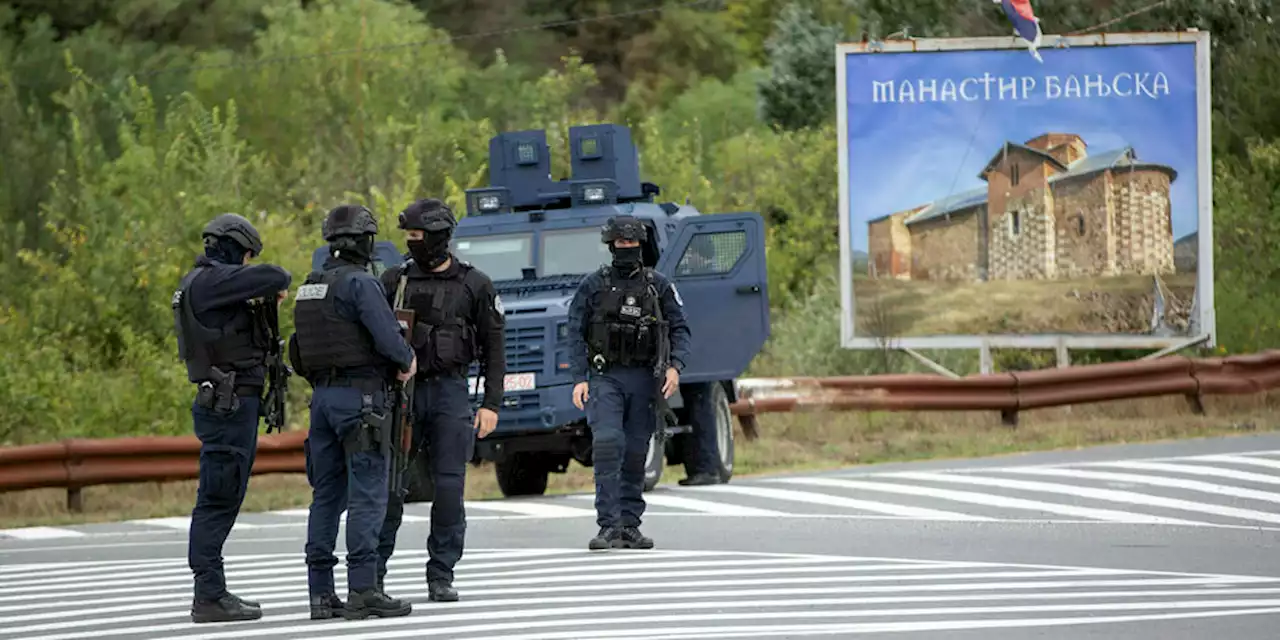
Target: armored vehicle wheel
<point x="655" y="459"/>
<point x="419" y="483"/>
<point x="522" y="474"/>
<point x="724" y="429"/>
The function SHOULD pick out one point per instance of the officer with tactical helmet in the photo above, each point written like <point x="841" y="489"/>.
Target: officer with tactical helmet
<point x="219" y="319"/>
<point x="702" y="456"/>
<point x="626" y="323"/>
<point x="458" y="319"/>
<point x="347" y="343"/>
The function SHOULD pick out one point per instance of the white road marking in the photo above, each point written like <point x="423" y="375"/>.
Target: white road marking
<point x="989" y="500"/>
<point x="40" y="533"/>
<point x="839" y="501"/>
<point x="1188" y="469"/>
<point x="694" y="504"/>
<point x="1111" y="495"/>
<point x="1159" y="481"/>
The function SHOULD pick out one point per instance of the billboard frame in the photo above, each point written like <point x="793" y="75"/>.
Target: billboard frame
<point x="1204" y="299"/>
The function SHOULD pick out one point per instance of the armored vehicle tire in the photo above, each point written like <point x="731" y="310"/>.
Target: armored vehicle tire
<point x="724" y="430"/>
<point x="419" y="483"/>
<point x="522" y="474"/>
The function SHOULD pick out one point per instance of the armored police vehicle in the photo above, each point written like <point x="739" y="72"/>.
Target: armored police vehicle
<point x="538" y="238"/>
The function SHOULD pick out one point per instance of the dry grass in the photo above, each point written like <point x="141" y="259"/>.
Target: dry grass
<point x="788" y="443"/>
<point x="1118" y="304"/>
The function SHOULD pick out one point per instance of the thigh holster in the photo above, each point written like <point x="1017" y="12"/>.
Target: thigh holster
<point x="373" y="432"/>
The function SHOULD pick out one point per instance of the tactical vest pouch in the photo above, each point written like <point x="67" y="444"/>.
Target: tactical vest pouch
<point x="443" y="348"/>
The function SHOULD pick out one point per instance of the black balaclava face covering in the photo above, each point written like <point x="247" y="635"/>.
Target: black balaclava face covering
<point x="432" y="250"/>
<point x="224" y="250"/>
<point x="625" y="259"/>
<point x="354" y="250"/>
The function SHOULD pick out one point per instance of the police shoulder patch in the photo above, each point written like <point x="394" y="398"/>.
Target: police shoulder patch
<point x="312" y="292"/>
<point x="675" y="293"/>
<point x="497" y="305"/>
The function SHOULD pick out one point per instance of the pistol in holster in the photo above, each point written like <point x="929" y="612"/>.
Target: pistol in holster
<point x="218" y="393"/>
<point x="373" y="432"/>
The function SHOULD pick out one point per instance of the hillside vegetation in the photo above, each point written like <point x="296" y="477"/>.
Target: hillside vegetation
<point x="127" y="125"/>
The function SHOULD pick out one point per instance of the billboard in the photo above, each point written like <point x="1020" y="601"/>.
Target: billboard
<point x="988" y="198"/>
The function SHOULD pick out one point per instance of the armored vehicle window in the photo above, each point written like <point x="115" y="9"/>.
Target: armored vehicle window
<point x="500" y="257"/>
<point x="712" y="253"/>
<point x="573" y="251"/>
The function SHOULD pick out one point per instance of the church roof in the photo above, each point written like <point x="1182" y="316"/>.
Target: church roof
<point x="1124" y="157"/>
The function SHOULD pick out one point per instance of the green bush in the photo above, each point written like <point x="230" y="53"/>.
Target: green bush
<point x="124" y="134"/>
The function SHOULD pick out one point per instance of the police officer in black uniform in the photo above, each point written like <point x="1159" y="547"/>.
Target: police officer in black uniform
<point x="218" y="317"/>
<point x="616" y="323"/>
<point x="458" y="319"/>
<point x="347" y="344"/>
<point x="702" y="456"/>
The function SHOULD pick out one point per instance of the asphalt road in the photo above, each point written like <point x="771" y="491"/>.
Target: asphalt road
<point x="1142" y="541"/>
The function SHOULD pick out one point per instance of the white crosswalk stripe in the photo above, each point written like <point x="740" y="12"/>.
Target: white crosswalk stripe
<point x="572" y="593"/>
<point x="1236" y="490"/>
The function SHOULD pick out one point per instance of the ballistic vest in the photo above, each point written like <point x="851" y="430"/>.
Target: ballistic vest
<point x="444" y="333"/>
<point x="327" y="342"/>
<point x="229" y="347"/>
<point x="623" y="327"/>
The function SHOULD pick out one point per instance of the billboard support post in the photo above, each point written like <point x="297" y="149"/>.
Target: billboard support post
<point x="1097" y="178"/>
<point x="930" y="363"/>
<point x="1171" y="349"/>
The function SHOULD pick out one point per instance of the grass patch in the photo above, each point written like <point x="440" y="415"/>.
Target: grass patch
<point x="789" y="442"/>
<point x="1120" y="304"/>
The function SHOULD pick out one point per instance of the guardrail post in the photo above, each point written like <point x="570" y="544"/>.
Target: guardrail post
<point x="75" y="501"/>
<point x="1009" y="417"/>
<point x="750" y="427"/>
<point x="1196" y="402"/>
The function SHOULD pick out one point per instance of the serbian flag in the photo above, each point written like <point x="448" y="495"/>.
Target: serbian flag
<point x="1025" y="23"/>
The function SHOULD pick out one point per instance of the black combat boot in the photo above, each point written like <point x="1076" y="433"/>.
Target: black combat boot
<point x="441" y="591"/>
<point x="699" y="479"/>
<point x="248" y="603"/>
<point x="631" y="538"/>
<point x="603" y="539"/>
<point x="362" y="604"/>
<point x="326" y="607"/>
<point x="228" y="608"/>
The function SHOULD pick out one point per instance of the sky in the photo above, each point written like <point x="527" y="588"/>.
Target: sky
<point x="905" y="154"/>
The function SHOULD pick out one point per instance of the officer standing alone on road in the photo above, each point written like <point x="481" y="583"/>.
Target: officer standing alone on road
<point x="347" y="343"/>
<point x="626" y="323"/>
<point x="458" y="319"/>
<point x="218" y="319"/>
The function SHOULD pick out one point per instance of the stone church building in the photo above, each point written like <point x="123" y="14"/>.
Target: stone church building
<point x="1048" y="210"/>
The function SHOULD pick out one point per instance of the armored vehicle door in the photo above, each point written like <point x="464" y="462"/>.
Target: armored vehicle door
<point x="717" y="263"/>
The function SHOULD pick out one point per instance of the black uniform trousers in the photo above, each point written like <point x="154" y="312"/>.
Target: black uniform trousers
<point x="622" y="419"/>
<point x="356" y="482"/>
<point x="704" y="455"/>
<point x="228" y="444"/>
<point x="442" y="414"/>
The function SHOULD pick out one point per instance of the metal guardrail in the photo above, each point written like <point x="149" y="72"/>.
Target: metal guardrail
<point x="78" y="463"/>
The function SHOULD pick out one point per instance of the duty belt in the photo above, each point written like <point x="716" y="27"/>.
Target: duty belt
<point x="363" y="383"/>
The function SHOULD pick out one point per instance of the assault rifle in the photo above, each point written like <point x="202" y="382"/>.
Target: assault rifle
<point x="402" y="453"/>
<point x="273" y="408"/>
<point x="662" y="363"/>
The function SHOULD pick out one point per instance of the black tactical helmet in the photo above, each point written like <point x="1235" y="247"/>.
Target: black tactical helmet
<point x="430" y="215"/>
<point x="623" y="228"/>
<point x="237" y="228"/>
<point x="349" y="220"/>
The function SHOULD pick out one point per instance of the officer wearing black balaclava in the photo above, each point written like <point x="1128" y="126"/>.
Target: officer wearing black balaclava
<point x="619" y="319"/>
<point x="347" y="344"/>
<point x="458" y="320"/>
<point x="221" y="338"/>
